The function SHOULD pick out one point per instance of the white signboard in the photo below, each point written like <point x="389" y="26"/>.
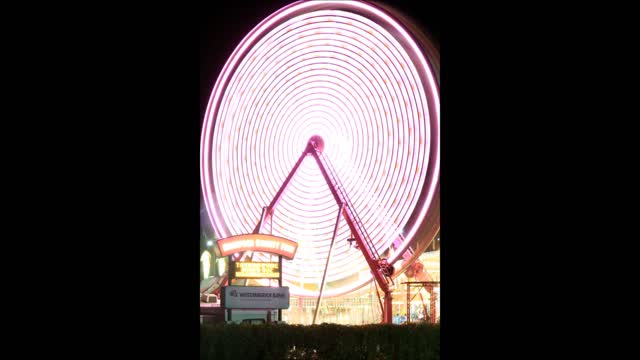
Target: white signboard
<point x="255" y="297"/>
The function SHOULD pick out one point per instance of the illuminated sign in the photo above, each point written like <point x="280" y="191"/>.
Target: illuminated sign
<point x="255" y="297"/>
<point x="257" y="270"/>
<point x="258" y="242"/>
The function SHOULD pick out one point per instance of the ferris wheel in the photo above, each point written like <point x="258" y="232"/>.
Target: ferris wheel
<point x="361" y="85"/>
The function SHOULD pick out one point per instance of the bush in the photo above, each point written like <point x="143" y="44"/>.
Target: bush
<point x="326" y="341"/>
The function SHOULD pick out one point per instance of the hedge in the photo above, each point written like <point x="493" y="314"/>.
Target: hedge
<point x="326" y="341"/>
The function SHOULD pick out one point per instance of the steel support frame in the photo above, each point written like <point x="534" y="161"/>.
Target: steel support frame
<point x="429" y="286"/>
<point x="326" y="266"/>
<point x="375" y="267"/>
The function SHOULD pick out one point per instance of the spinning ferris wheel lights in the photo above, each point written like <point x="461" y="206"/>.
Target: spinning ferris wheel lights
<point x="351" y="74"/>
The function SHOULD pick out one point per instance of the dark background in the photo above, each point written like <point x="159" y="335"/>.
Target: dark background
<point x="102" y="189"/>
<point x="514" y="85"/>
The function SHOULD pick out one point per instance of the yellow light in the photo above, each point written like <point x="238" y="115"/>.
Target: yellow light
<point x="222" y="266"/>
<point x="206" y="263"/>
<point x="252" y="270"/>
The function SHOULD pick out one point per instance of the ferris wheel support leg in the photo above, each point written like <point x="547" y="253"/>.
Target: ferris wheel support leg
<point x="387" y="315"/>
<point x="276" y="198"/>
<point x="326" y="266"/>
<point x="367" y="251"/>
<point x="263" y="217"/>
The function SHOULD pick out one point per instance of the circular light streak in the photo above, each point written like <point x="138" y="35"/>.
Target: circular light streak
<point x="350" y="73"/>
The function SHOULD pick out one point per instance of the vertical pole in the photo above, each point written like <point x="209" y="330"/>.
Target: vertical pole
<point x="230" y="276"/>
<point x="408" y="303"/>
<point x="424" y="307"/>
<point x="324" y="275"/>
<point x="388" y="308"/>
<point x="432" y="305"/>
<point x="230" y="271"/>
<point x="280" y="283"/>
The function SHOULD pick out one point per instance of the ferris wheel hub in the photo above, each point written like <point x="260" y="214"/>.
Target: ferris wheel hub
<point x="317" y="142"/>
